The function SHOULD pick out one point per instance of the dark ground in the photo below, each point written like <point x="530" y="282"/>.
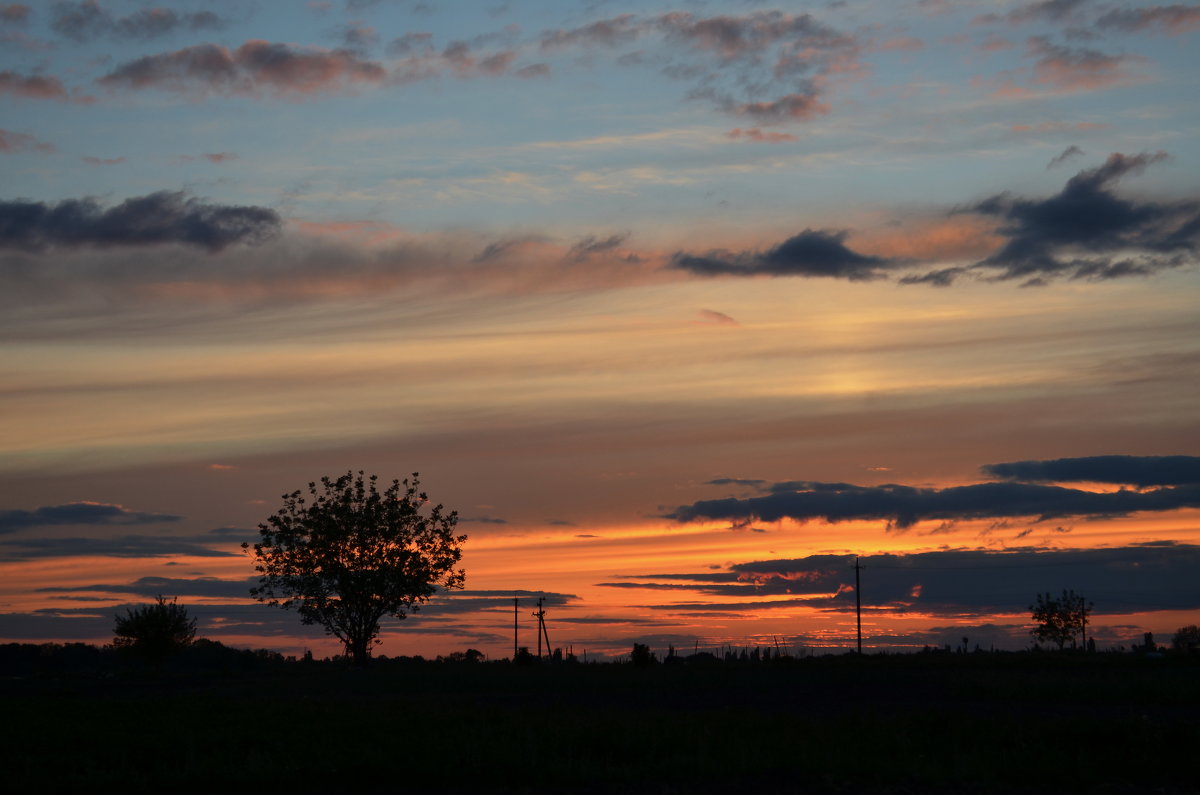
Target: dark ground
<point x="889" y="724"/>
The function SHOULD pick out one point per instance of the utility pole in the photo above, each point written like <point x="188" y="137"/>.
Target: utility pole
<point x="516" y="601"/>
<point x="858" y="600"/>
<point x="541" y="633"/>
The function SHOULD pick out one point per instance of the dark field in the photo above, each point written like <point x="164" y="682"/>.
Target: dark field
<point x="918" y="723"/>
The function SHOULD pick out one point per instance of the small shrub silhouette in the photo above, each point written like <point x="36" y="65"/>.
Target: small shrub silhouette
<point x="156" y="630"/>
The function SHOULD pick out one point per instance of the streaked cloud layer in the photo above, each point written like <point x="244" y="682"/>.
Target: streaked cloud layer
<point x="670" y="287"/>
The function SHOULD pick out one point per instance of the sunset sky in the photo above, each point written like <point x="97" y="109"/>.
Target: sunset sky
<point x="681" y="306"/>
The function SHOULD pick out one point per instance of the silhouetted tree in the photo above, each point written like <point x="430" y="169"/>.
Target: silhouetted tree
<point x="1060" y="620"/>
<point x="641" y="655"/>
<point x="155" y="630"/>
<point x="354" y="554"/>
<point x="1186" y="639"/>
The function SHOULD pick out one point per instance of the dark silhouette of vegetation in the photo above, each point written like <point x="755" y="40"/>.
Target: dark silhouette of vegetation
<point x="641" y="655"/>
<point x="1060" y="621"/>
<point x="354" y="554"/>
<point x="156" y="630"/>
<point x="941" y="722"/>
<point x="1187" y="640"/>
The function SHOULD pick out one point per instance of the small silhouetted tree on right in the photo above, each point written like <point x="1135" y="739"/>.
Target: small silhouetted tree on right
<point x="1187" y="640"/>
<point x="156" y="630"/>
<point x="1060" y="620"/>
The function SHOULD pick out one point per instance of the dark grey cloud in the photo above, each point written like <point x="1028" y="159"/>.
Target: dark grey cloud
<point x="594" y="245"/>
<point x="904" y="506"/>
<point x="811" y="253"/>
<point x="411" y="43"/>
<point x="87" y="20"/>
<point x="750" y="34"/>
<point x="96" y="623"/>
<point x="943" y="277"/>
<point x="482" y="519"/>
<point x="1127" y="470"/>
<point x="1049" y="10"/>
<point x="357" y="37"/>
<point x="168" y="586"/>
<point x="1059" y="159"/>
<point x="754" y="482"/>
<point x="1087" y="231"/>
<point x="605" y="32"/>
<point x="79" y="513"/>
<point x="127" y="546"/>
<point x="471" y="601"/>
<point x="163" y="217"/>
<point x="1173" y="19"/>
<point x="503" y="248"/>
<point x="1137" y="578"/>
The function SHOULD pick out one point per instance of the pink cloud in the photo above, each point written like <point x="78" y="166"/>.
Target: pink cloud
<point x="902" y="44"/>
<point x="791" y="106"/>
<point x="102" y="161"/>
<point x="995" y="44"/>
<point x="219" y="157"/>
<point x="14" y="13"/>
<point x="711" y="317"/>
<point x="1078" y="69"/>
<point x="759" y="136"/>
<point x="31" y="86"/>
<point x="254" y="66"/>
<point x="20" y="142"/>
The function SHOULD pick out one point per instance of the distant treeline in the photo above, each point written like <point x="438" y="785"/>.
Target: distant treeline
<point x="204" y="655"/>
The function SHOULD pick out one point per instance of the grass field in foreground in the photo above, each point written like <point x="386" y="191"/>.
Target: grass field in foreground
<point x="919" y="723"/>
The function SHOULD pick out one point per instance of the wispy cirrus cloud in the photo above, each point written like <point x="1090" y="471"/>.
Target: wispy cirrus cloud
<point x="1173" y="20"/>
<point x="88" y="19"/>
<point x="769" y="66"/>
<point x="1074" y="69"/>
<point x="1038" y="11"/>
<point x="759" y="136"/>
<point x="21" y="142"/>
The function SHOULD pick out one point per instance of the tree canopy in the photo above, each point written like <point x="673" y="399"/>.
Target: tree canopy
<point x="155" y="630"/>
<point x="1060" y="620"/>
<point x="350" y="555"/>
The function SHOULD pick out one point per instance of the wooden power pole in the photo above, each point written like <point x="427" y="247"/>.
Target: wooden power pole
<point x="858" y="600"/>
<point x="541" y="631"/>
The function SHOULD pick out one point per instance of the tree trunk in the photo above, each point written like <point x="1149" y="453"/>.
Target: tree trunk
<point x="360" y="650"/>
